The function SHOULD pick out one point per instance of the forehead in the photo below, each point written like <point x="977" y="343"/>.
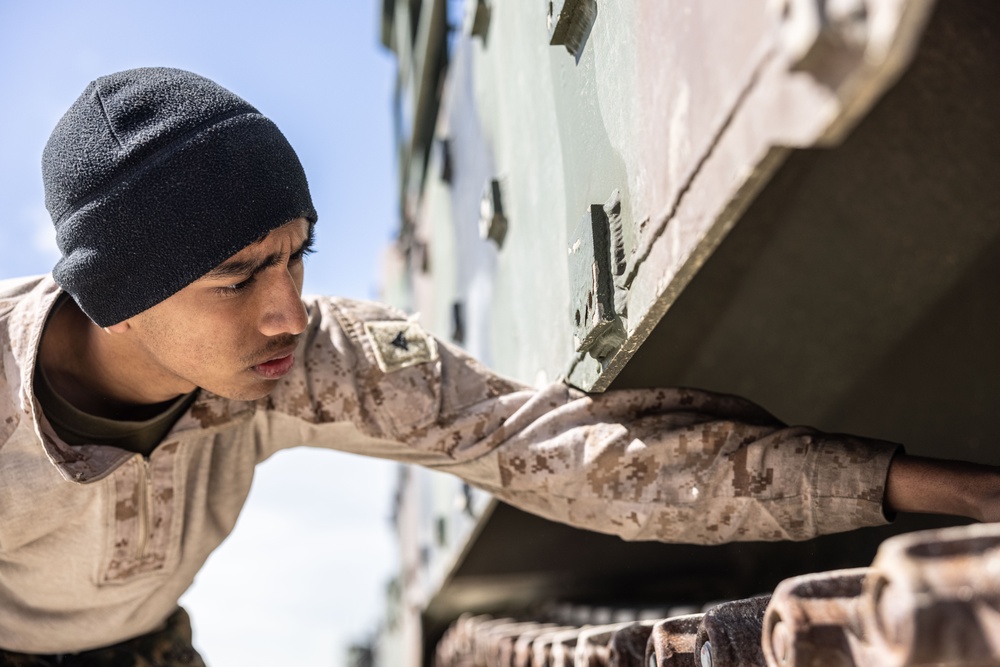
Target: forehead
<point x="297" y="229"/>
<point x="263" y="251"/>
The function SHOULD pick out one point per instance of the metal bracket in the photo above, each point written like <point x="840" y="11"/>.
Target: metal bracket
<point x="458" y="322"/>
<point x="616" y="239"/>
<point x="813" y="31"/>
<point x="480" y="19"/>
<point x="599" y="330"/>
<point x="569" y="23"/>
<point x="492" y="221"/>
<point x="443" y="147"/>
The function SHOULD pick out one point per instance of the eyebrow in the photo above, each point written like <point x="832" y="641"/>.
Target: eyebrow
<point x="246" y="268"/>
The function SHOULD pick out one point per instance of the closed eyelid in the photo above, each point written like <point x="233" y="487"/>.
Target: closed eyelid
<point x="246" y="269"/>
<point x="307" y="244"/>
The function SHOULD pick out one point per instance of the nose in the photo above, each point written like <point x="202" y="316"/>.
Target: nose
<point x="282" y="309"/>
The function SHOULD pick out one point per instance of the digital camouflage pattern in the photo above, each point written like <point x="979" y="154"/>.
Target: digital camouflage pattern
<point x="97" y="544"/>
<point x="167" y="647"/>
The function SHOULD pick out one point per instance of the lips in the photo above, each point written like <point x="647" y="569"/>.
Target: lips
<point x="275" y="368"/>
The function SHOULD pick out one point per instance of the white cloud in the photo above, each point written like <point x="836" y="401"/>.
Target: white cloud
<point x="43" y="233"/>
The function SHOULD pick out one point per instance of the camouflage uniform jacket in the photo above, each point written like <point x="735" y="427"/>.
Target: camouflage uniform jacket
<point x="97" y="544"/>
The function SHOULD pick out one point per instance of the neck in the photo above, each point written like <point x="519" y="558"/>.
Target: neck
<point x="102" y="373"/>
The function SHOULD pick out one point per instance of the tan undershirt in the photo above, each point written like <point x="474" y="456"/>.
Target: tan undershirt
<point x="77" y="427"/>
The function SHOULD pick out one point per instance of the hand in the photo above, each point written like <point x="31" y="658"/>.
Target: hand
<point x="933" y="486"/>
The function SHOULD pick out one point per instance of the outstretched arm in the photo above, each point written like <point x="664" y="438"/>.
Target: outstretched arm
<point x="933" y="486"/>
<point x="670" y="464"/>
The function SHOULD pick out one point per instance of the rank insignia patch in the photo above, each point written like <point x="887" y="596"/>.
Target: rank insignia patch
<point x="399" y="343"/>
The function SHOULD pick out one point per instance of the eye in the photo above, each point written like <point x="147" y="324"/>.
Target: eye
<point x="302" y="252"/>
<point x="230" y="290"/>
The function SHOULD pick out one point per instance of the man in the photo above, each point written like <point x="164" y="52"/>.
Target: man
<point x="170" y="351"/>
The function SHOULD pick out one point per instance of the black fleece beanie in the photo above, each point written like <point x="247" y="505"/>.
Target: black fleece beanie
<point x="155" y="176"/>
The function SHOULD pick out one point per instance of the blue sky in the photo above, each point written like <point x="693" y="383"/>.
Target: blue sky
<point x="305" y="569"/>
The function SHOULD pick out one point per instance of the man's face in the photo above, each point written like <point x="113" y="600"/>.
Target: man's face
<point x="233" y="331"/>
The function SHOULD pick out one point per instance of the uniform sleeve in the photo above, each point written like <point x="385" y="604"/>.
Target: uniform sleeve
<point x="674" y="465"/>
